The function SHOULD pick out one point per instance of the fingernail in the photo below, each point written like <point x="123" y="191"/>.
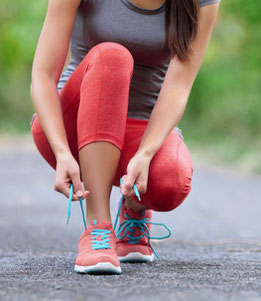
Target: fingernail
<point x="79" y="193"/>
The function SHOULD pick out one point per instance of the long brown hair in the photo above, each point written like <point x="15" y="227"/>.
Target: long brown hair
<point x="181" y="26"/>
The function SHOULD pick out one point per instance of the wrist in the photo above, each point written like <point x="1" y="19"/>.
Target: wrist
<point x="62" y="152"/>
<point x="147" y="153"/>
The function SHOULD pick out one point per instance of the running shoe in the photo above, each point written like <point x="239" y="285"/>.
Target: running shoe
<point x="131" y="244"/>
<point x="133" y="234"/>
<point x="96" y="250"/>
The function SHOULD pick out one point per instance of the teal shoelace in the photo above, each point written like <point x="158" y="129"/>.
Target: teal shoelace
<point x="104" y="242"/>
<point x="81" y="205"/>
<point x="126" y="226"/>
<point x="142" y="224"/>
<point x="70" y="205"/>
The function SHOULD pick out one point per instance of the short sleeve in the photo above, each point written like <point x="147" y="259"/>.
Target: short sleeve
<point x="207" y="2"/>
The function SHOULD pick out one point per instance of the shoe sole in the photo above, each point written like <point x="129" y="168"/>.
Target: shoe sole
<point x="136" y="257"/>
<point x="99" y="268"/>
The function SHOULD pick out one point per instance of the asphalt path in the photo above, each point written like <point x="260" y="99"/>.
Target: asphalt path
<point x="214" y="252"/>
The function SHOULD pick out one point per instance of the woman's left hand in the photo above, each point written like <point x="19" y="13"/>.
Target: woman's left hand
<point x="137" y="173"/>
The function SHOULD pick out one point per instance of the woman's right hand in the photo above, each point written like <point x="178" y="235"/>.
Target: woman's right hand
<point x="67" y="171"/>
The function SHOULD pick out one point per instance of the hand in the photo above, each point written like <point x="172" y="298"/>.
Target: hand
<point x="67" y="171"/>
<point x="137" y="173"/>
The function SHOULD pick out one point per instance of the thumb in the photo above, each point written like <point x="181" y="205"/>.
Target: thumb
<point x="78" y="189"/>
<point x="128" y="185"/>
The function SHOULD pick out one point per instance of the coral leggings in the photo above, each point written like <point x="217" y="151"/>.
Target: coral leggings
<point x="94" y="103"/>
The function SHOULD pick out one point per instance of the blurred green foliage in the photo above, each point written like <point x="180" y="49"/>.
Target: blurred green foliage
<point x="223" y="111"/>
<point x="20" y="28"/>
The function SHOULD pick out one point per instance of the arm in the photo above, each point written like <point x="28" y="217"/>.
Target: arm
<point x="170" y="104"/>
<point x="176" y="87"/>
<point x="49" y="59"/>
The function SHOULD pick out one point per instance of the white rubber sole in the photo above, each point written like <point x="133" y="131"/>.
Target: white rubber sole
<point x="101" y="267"/>
<point x="136" y="257"/>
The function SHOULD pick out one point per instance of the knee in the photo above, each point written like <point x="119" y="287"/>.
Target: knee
<point x="179" y="192"/>
<point x="113" y="56"/>
<point x="171" y="190"/>
<point x="178" y="187"/>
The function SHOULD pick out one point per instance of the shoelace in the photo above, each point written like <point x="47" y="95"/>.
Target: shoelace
<point x="141" y="224"/>
<point x="70" y="205"/>
<point x="104" y="235"/>
<point x="104" y="242"/>
<point x="127" y="225"/>
<point x="81" y="205"/>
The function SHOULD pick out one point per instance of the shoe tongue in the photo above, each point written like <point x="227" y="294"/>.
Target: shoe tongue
<point x="101" y="225"/>
<point x="135" y="215"/>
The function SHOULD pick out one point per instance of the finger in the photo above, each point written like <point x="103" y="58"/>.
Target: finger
<point x="122" y="186"/>
<point x="74" y="196"/>
<point x="124" y="179"/>
<point x="64" y="189"/>
<point x="129" y="194"/>
<point x="127" y="186"/>
<point x="85" y="193"/>
<point x="141" y="188"/>
<point x="77" y="184"/>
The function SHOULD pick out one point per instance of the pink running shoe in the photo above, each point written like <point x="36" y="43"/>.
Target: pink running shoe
<point x="132" y="243"/>
<point x="96" y="250"/>
<point x="133" y="234"/>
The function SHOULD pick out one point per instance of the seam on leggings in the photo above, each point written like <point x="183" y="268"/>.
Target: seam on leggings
<point x="178" y="169"/>
<point x="98" y="111"/>
<point x="70" y="103"/>
<point x="182" y="185"/>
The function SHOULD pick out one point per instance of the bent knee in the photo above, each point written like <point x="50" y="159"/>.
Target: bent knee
<point x="113" y="55"/>
<point x="169" y="193"/>
<point x="180" y="188"/>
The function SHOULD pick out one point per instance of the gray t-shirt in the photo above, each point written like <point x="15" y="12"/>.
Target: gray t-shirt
<point x="140" y="30"/>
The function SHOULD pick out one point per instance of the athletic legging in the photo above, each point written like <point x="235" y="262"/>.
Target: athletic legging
<point x="94" y="103"/>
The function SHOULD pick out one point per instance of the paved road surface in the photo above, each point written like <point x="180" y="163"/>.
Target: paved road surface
<point x="213" y="254"/>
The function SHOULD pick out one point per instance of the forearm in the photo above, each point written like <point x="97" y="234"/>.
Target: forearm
<point x="176" y="87"/>
<point x="165" y="115"/>
<point x="48" y="108"/>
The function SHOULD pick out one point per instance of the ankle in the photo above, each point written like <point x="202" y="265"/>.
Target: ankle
<point x="98" y="217"/>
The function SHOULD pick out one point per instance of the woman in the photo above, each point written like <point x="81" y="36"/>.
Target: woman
<point x="114" y="114"/>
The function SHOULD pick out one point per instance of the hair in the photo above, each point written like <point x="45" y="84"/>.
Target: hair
<point x="181" y="26"/>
